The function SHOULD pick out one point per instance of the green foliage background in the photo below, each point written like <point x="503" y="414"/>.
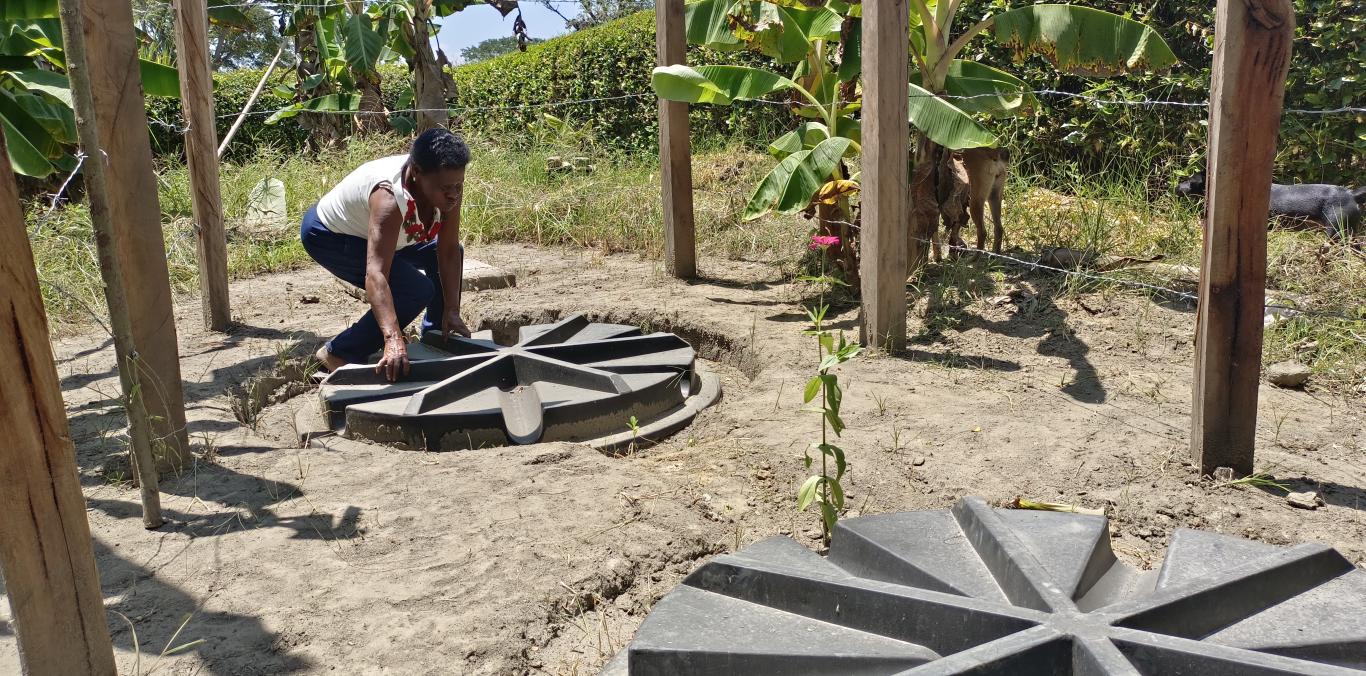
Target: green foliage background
<point x="1065" y="140"/>
<point x="1068" y="139"/>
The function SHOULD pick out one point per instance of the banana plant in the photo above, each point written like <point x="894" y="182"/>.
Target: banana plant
<point x="341" y="43"/>
<point x="949" y="96"/>
<point x="35" y="97"/>
<point x="820" y="44"/>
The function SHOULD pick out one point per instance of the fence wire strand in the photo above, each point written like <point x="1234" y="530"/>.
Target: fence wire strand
<point x="458" y="110"/>
<point x="1285" y="311"/>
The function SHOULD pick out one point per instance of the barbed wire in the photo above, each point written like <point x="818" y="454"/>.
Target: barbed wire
<point x="457" y="110"/>
<point x="57" y="196"/>
<point x="284" y="4"/>
<point x="1143" y="102"/>
<point x="452" y="111"/>
<point x="1036" y="265"/>
<point x="1287" y="310"/>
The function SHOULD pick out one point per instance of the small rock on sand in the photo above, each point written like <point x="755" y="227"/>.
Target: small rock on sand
<point x="1305" y="500"/>
<point x="1288" y="374"/>
<point x="918" y="461"/>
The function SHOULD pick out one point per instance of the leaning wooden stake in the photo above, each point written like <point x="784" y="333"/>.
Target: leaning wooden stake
<point x="251" y="102"/>
<point x="133" y="376"/>
<point x="886" y="190"/>
<point x="1252" y="41"/>
<point x="49" y="569"/>
<point x="675" y="154"/>
<point x="201" y="154"/>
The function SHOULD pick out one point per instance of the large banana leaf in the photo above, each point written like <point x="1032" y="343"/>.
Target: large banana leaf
<point x="716" y="84"/>
<point x="14" y="112"/>
<point x="31" y="145"/>
<point x="987" y="90"/>
<point x="791" y="184"/>
<point x="361" y="43"/>
<point x="228" y="13"/>
<point x="806" y="135"/>
<point x="56" y="118"/>
<point x="819" y="23"/>
<point x="708" y="24"/>
<point x="28" y="9"/>
<point x="772" y="31"/>
<point x="945" y="123"/>
<point x="29" y="42"/>
<point x="159" y="79"/>
<point x="221" y="12"/>
<point x="809" y="134"/>
<point x="344" y="102"/>
<point x="45" y="81"/>
<point x="741" y="82"/>
<point x="1083" y="41"/>
<point x="783" y="33"/>
<point x="26" y="159"/>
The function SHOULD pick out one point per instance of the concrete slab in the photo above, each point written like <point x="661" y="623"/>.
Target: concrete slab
<point x="977" y="590"/>
<point x="573" y="380"/>
<point x="479" y="276"/>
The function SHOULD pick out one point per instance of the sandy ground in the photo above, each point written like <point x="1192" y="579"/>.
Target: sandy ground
<point x="544" y="559"/>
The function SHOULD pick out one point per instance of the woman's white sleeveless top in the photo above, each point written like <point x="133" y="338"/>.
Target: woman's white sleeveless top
<point x="346" y="208"/>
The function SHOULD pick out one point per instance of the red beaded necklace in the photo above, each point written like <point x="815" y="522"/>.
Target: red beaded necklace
<point x="412" y="225"/>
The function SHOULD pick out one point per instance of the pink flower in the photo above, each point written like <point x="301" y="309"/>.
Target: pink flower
<point x="822" y="241"/>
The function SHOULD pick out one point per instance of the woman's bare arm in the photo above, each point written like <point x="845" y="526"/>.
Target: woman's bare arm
<point x="451" y="264"/>
<point x="385" y="223"/>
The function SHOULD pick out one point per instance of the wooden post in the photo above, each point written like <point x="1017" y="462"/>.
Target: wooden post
<point x="49" y="568"/>
<point x="886" y="189"/>
<point x="201" y="154"/>
<point x="675" y="154"/>
<point x="122" y="150"/>
<point x="1252" y="41"/>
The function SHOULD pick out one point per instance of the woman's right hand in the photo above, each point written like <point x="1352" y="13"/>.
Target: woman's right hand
<point x="395" y="360"/>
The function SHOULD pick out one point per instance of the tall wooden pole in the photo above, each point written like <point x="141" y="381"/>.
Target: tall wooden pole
<point x="886" y="189"/>
<point x="201" y="154"/>
<point x="1252" y="41"/>
<point x="49" y="569"/>
<point x="675" y="154"/>
<point x="112" y="123"/>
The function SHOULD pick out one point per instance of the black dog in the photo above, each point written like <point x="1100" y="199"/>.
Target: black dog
<point x="1336" y="208"/>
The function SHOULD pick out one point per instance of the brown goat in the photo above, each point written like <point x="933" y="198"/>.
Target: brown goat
<point x="986" y="169"/>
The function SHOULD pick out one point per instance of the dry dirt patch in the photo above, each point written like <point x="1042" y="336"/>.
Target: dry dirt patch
<point x="543" y="559"/>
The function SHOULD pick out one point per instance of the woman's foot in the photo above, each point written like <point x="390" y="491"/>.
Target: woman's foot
<point x="330" y="361"/>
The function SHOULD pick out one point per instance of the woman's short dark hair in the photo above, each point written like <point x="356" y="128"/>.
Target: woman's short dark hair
<point x="437" y="149"/>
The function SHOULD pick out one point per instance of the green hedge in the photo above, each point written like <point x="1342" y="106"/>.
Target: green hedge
<point x="231" y="90"/>
<point x="611" y="60"/>
<point x="506" y="93"/>
<point x="1065" y="140"/>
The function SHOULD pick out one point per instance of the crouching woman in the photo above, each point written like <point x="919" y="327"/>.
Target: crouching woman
<point x="392" y="227"/>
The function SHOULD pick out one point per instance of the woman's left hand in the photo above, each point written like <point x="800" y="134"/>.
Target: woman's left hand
<point x="451" y="323"/>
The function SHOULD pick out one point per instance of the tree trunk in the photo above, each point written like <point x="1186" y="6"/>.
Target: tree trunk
<point x="326" y="129"/>
<point x="372" y="116"/>
<point x="925" y="199"/>
<point x="104" y="217"/>
<point x="429" y="87"/>
<point x="833" y="221"/>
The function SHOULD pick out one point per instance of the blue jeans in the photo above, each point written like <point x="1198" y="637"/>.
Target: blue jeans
<point x="414" y="284"/>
